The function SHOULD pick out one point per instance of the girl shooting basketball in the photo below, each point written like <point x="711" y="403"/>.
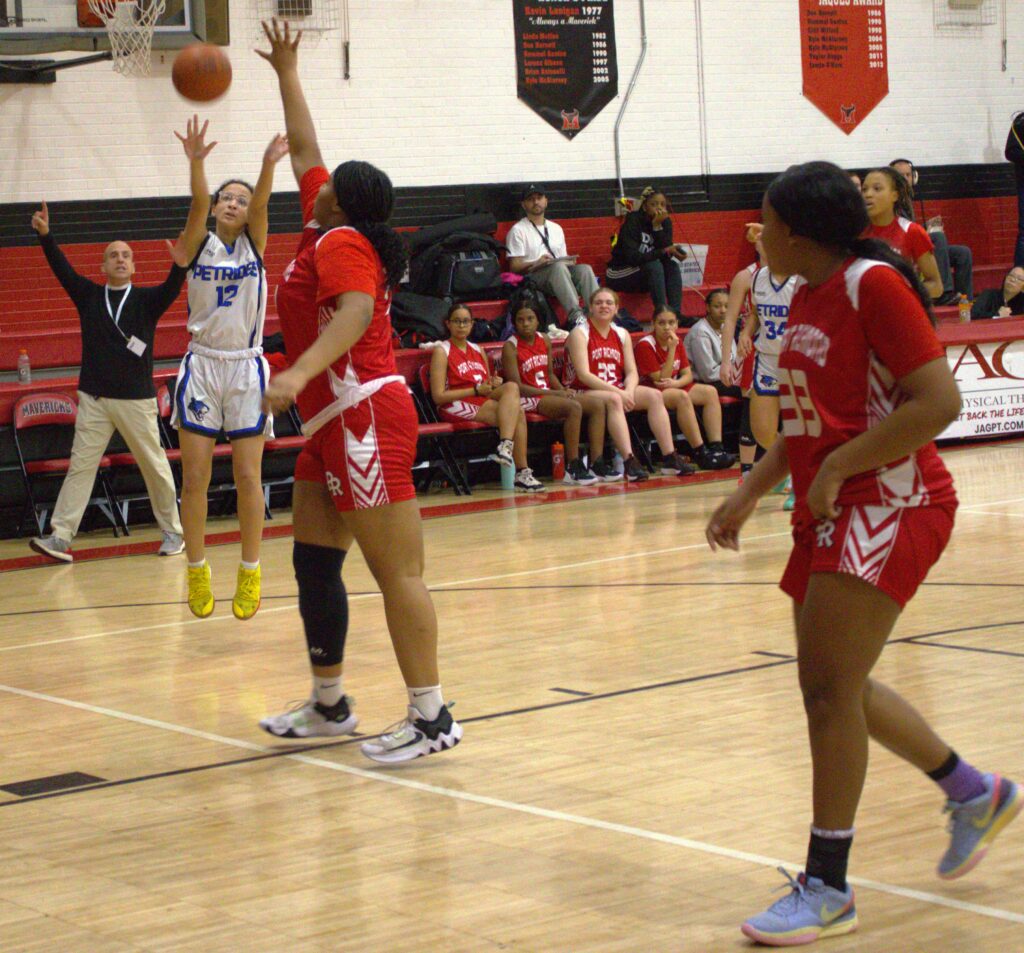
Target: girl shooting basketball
<point x="865" y="389"/>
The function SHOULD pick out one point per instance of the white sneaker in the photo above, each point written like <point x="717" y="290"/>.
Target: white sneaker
<point x="172" y="545"/>
<point x="414" y="737"/>
<point x="527" y="482"/>
<point x="503" y="454"/>
<point x="310" y="719"/>
<point x="54" y="547"/>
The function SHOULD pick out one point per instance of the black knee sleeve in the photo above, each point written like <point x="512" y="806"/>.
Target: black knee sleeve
<point x="746" y="434"/>
<point x="323" y="602"/>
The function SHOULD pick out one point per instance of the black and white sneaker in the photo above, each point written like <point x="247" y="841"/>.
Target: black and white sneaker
<point x="310" y="719"/>
<point x="576" y="471"/>
<point x="414" y="737"/>
<point x="719" y="448"/>
<point x="708" y="458"/>
<point x="605" y="472"/>
<point x="503" y="454"/>
<point x="526" y="482"/>
<point x="676" y="465"/>
<point x="635" y="473"/>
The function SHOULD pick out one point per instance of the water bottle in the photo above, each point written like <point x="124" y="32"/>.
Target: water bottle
<point x="24" y="368"/>
<point x="964" y="307"/>
<point x="618" y="464"/>
<point x="557" y="461"/>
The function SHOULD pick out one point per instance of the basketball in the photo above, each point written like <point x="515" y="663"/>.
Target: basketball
<point x="201" y="72"/>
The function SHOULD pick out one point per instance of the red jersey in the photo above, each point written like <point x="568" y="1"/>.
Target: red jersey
<point x="465" y="368"/>
<point x="904" y="236"/>
<point x="847" y="343"/>
<point x="606" y="356"/>
<point x="651" y="357"/>
<point x="533" y="361"/>
<point x="325" y="266"/>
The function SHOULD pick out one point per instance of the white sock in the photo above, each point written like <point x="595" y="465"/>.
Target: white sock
<point x="202" y="562"/>
<point x="427" y="700"/>
<point x="328" y="690"/>
<point x="250" y="566"/>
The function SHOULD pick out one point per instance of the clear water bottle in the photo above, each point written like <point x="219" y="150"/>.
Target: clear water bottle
<point x="964" y="307"/>
<point x="618" y="464"/>
<point x="24" y="368"/>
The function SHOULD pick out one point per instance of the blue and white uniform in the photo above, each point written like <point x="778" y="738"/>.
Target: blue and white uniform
<point x="222" y="378"/>
<point x="772" y="302"/>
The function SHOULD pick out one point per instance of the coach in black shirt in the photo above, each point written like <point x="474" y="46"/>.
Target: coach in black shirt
<point x="115" y="387"/>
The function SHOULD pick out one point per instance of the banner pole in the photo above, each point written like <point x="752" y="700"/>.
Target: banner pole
<point x="625" y="100"/>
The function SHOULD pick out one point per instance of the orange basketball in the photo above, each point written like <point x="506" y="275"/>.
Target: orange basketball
<point x="201" y="72"/>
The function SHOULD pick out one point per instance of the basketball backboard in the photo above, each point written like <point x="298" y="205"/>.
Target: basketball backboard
<point x="47" y="26"/>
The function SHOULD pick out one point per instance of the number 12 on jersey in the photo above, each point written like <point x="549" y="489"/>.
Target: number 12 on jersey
<point x="225" y="295"/>
<point x="799" y="415"/>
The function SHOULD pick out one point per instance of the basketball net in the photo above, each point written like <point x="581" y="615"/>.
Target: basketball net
<point x="130" y="26"/>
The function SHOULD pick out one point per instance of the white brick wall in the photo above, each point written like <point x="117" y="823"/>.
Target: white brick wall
<point x="432" y="99"/>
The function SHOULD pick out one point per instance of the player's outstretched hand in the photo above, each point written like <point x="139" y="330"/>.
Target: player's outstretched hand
<point x="277" y="149"/>
<point x="282" y="390"/>
<point x="284" y="49"/>
<point x="723" y="529"/>
<point x="196" y="148"/>
<point x="754" y="230"/>
<point x="41" y="220"/>
<point x="177" y="251"/>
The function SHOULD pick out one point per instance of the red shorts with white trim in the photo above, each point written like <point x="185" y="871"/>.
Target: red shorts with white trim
<point x="365" y="456"/>
<point x="891" y="548"/>
<point x="469" y="407"/>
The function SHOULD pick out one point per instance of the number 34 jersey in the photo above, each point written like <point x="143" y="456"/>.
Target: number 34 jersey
<point x="848" y="342"/>
<point x="773" y="303"/>
<point x="227" y="295"/>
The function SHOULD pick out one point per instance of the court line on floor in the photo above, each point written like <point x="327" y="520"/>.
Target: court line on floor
<point x="375" y="595"/>
<point x="383" y="776"/>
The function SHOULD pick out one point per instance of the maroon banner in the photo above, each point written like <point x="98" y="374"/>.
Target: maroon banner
<point x="846" y="66"/>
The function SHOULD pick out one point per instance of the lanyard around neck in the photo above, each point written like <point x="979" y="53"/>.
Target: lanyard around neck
<point x="116" y="318"/>
<point x="544" y="237"/>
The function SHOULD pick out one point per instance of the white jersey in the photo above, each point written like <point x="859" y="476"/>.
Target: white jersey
<point x="772" y="302"/>
<point x="227" y="295"/>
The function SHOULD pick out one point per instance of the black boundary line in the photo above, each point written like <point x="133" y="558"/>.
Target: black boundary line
<point x="571" y="691"/>
<point x="774" y="654"/>
<point x="441" y="589"/>
<point x="302" y="749"/>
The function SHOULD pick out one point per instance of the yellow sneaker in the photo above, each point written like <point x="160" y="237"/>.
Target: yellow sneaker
<point x="200" y="595"/>
<point x="247" y="593"/>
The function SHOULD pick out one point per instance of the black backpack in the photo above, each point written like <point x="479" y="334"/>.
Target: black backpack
<point x="463" y="266"/>
<point x="528" y="294"/>
<point x="1014" y="151"/>
<point x="418" y="318"/>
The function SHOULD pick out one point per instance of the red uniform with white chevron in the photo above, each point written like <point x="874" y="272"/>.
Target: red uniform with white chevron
<point x="533" y="362"/>
<point x="605" y="355"/>
<point x="847" y="343"/>
<point x="359" y="415"/>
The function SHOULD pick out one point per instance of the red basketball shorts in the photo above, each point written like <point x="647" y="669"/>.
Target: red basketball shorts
<point x="365" y="455"/>
<point x="891" y="548"/>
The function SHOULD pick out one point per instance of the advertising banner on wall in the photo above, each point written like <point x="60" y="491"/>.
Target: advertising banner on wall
<point x="845" y="58"/>
<point x="991" y="381"/>
<point x="566" y="70"/>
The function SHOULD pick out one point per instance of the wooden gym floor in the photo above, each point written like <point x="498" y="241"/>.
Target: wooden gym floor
<point x="634" y="763"/>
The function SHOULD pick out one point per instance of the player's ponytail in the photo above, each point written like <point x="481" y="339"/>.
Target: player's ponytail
<point x="366" y="196"/>
<point x="819" y="201"/>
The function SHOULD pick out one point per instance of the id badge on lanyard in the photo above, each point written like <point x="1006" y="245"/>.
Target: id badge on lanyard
<point x="137" y="347"/>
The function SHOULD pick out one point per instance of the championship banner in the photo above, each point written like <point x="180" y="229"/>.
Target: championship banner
<point x="991" y="381"/>
<point x="566" y="70"/>
<point x="846" y="66"/>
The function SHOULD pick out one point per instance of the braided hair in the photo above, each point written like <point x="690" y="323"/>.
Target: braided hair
<point x="366" y="196"/>
<point x="818" y="201"/>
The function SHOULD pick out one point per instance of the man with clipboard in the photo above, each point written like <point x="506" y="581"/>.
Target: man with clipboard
<point x="115" y="387"/>
<point x="536" y="247"/>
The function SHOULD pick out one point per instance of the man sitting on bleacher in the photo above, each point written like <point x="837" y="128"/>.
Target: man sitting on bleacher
<point x="536" y="247"/>
<point x="115" y="387"/>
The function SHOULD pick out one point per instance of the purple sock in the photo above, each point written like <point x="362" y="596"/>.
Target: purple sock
<point x="959" y="781"/>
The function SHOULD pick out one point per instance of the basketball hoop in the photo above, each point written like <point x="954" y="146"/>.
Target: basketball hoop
<point x="129" y="25"/>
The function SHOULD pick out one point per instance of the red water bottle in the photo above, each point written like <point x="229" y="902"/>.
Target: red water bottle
<point x="557" y="461"/>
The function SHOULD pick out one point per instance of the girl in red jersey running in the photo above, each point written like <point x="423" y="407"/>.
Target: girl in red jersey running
<point x="600" y="359"/>
<point x="865" y="389"/>
<point x="526" y="361"/>
<point x="662" y="363"/>
<point x="353" y="479"/>
<point x="885" y="193"/>
<point x="464" y="388"/>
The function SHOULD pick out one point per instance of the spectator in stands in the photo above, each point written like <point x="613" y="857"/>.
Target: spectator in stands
<point x="463" y="388"/>
<point x="887" y="197"/>
<point x="1003" y="302"/>
<point x="115" y="387"/>
<point x="644" y="256"/>
<point x="600" y="358"/>
<point x="662" y="363"/>
<point x="526" y="361"/>
<point x="704" y="344"/>
<point x="956" y="263"/>
<point x="536" y="247"/>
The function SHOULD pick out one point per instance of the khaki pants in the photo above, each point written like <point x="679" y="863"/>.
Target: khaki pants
<point x="135" y="420"/>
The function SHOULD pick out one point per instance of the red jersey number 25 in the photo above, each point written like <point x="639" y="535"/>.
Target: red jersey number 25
<point x="799" y="416"/>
